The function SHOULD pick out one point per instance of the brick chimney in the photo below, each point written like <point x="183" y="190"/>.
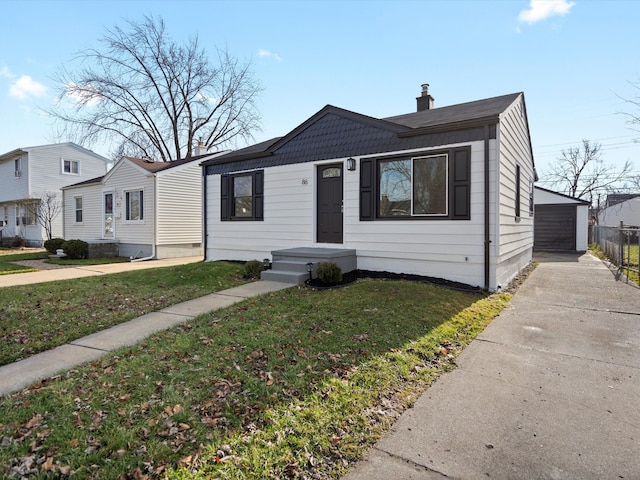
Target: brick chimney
<point x="199" y="149"/>
<point x="425" y="101"/>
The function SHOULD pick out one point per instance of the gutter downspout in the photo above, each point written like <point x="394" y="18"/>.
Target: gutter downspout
<point x="204" y="214"/>
<point x="487" y="240"/>
<point x="155" y="225"/>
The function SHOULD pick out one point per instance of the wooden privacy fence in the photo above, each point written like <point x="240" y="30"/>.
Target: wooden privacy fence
<point x="621" y="244"/>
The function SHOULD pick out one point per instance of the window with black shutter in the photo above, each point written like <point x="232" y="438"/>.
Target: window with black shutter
<point x="433" y="185"/>
<point x="242" y="196"/>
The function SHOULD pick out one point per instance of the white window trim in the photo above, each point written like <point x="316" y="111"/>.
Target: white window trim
<point x="17" y="168"/>
<point x="125" y="206"/>
<point x="75" y="209"/>
<point x="71" y="162"/>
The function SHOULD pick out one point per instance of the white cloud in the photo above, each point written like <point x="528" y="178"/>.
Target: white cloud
<point x="542" y="9"/>
<point x="25" y="87"/>
<point x="4" y="72"/>
<point x="84" y="94"/>
<point x="267" y="54"/>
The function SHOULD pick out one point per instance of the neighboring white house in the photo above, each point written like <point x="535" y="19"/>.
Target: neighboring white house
<point x="561" y="222"/>
<point x="442" y="192"/>
<point x="149" y="209"/>
<point x="27" y="174"/>
<point x="627" y="212"/>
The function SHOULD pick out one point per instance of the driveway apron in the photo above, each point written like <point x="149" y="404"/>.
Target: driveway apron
<point x="550" y="390"/>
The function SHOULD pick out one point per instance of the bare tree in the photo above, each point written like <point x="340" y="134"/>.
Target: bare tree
<point x="581" y="173"/>
<point x="46" y="211"/>
<point x="156" y="98"/>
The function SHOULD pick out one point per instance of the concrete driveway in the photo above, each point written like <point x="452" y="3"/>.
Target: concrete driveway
<point x="550" y="390"/>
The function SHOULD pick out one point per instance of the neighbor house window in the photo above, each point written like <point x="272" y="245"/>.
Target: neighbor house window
<point x="242" y="196"/>
<point x="26" y="214"/>
<point x="78" y="209"/>
<point x="433" y="186"/>
<point x="70" y="166"/>
<point x="3" y="216"/>
<point x="134" y="204"/>
<point x="517" y="191"/>
<point x="17" y="167"/>
<point x="531" y="199"/>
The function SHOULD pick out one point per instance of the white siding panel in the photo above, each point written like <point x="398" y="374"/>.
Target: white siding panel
<point x="91" y="227"/>
<point x="46" y="173"/>
<point x="179" y="209"/>
<point x="515" y="234"/>
<point x="12" y="188"/>
<point x="129" y="178"/>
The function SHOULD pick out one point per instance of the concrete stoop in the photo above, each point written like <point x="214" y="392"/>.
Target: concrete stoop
<point x="290" y="265"/>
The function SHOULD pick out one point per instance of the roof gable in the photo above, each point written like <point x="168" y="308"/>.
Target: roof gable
<point x="337" y="133"/>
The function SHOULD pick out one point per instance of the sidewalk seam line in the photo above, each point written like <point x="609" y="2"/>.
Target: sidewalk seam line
<point x="410" y="462"/>
<point x="87" y="346"/>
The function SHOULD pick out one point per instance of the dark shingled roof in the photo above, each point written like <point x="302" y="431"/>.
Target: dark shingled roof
<point x="155" y="167"/>
<point x="335" y="132"/>
<point x="461" y="112"/>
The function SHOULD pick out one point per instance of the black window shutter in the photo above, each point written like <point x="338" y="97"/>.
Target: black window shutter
<point x="225" y="213"/>
<point x="258" y="195"/>
<point x="367" y="199"/>
<point x="461" y="184"/>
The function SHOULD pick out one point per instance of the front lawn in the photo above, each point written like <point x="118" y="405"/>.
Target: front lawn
<point x="7" y="256"/>
<point x="293" y="384"/>
<point x="38" y="317"/>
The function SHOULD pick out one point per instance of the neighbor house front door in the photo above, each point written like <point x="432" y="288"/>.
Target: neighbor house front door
<point x="109" y="223"/>
<point x="329" y="203"/>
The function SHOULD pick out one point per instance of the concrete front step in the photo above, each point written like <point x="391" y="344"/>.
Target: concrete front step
<point x="285" y="276"/>
<point x="290" y="265"/>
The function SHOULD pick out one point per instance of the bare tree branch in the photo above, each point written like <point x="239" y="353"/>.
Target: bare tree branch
<point x="581" y="173"/>
<point x="154" y="97"/>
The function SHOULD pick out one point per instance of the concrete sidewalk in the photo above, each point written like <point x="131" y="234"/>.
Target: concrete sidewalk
<point x="89" y="271"/>
<point x="18" y="375"/>
<point x="550" y="390"/>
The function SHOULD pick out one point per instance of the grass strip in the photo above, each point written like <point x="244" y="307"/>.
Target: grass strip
<point x="38" y="317"/>
<point x="287" y="385"/>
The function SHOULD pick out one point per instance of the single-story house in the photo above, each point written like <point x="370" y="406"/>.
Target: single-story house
<point x="146" y="209"/>
<point x="561" y="222"/>
<point x="442" y="192"/>
<point x="627" y="212"/>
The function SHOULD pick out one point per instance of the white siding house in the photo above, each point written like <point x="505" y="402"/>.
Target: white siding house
<point x="29" y="174"/>
<point x="442" y="192"/>
<point x="627" y="212"/>
<point x="149" y="209"/>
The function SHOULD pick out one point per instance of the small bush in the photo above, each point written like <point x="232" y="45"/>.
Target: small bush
<point x="75" y="249"/>
<point x="17" y="242"/>
<point x="329" y="273"/>
<point x="53" y="245"/>
<point x="253" y="268"/>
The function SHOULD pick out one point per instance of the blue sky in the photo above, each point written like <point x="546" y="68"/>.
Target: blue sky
<point x="576" y="61"/>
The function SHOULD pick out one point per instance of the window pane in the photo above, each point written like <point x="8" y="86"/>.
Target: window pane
<point x="331" y="172"/>
<point x="430" y="185"/>
<point x="134" y="205"/>
<point x="242" y="196"/>
<point x="395" y="188"/>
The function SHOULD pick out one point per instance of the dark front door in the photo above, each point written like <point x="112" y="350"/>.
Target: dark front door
<point x="330" y="203"/>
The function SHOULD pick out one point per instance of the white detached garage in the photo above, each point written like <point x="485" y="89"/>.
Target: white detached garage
<point x="561" y="222"/>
